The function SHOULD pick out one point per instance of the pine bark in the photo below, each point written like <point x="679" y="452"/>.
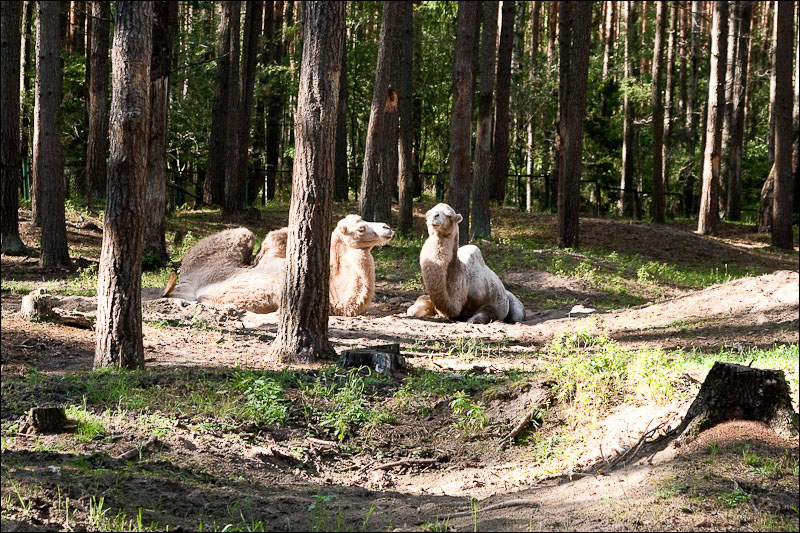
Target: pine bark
<point x="214" y="185"/>
<point x="48" y="163"/>
<point x="734" y="198"/>
<point x="709" y="198"/>
<point x="461" y="113"/>
<point x="575" y="28"/>
<point x="784" y="137"/>
<point x="692" y="112"/>
<point x="405" y="167"/>
<point x="274" y="103"/>
<point x="97" y="142"/>
<point x="772" y="83"/>
<point x="380" y="154"/>
<point x="658" y="201"/>
<point x="481" y="224"/>
<point x="499" y="170"/>
<point x="341" y="190"/>
<point x="532" y="119"/>
<point x="26" y="58"/>
<point x="119" y="305"/>
<point x="233" y="186"/>
<point x="628" y="178"/>
<point x="727" y="115"/>
<point x="302" y="334"/>
<point x="10" y="19"/>
<point x="165" y="21"/>
<point x="669" y="92"/>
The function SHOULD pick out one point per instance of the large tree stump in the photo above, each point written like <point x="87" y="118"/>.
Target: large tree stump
<point x="732" y="391"/>
<point x="382" y="359"/>
<point x="37" y="306"/>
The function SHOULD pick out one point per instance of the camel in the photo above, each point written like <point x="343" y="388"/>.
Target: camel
<point x="457" y="281"/>
<point x="257" y="288"/>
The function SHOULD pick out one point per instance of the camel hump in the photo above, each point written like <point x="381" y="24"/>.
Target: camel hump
<point x="470" y="254"/>
<point x="173" y="280"/>
<point x="516" y="311"/>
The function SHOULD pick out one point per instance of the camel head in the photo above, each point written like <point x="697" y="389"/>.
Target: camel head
<point x="358" y="233"/>
<point x="442" y="220"/>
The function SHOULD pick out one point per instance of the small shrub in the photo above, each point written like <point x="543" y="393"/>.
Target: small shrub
<point x="471" y="415"/>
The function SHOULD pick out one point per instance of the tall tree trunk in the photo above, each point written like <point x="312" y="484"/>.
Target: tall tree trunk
<point x="165" y="21"/>
<point x="119" y="280"/>
<point x="97" y="143"/>
<point x="481" y="225"/>
<point x="683" y="51"/>
<point x="499" y="169"/>
<point x="380" y="155"/>
<point x="405" y="71"/>
<point x="734" y="200"/>
<point x="628" y="179"/>
<point x="658" y="202"/>
<point x="274" y="103"/>
<point x="10" y="18"/>
<point x="77" y="21"/>
<point x="341" y="189"/>
<point x="709" y="198"/>
<point x="461" y="114"/>
<point x="772" y="84"/>
<point x="549" y="133"/>
<point x="796" y="120"/>
<point x="26" y="58"/>
<point x="692" y="112"/>
<point x="232" y="190"/>
<point x="669" y="92"/>
<point x="575" y="30"/>
<point x="302" y="334"/>
<point x="727" y="110"/>
<point x="534" y="67"/>
<point x="247" y="185"/>
<point x="784" y="136"/>
<point x="48" y="164"/>
<point x="214" y="185"/>
<point x="608" y="51"/>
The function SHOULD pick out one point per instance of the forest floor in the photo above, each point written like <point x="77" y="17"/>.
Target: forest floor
<point x="619" y="335"/>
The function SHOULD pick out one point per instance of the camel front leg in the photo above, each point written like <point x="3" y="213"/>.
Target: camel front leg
<point x="423" y="307"/>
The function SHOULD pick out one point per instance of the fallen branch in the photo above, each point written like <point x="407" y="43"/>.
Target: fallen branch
<point x="407" y="462"/>
<point x="133" y="452"/>
<point x="642" y="440"/>
<point x="320" y="441"/>
<point x="522" y="424"/>
<point x="501" y="505"/>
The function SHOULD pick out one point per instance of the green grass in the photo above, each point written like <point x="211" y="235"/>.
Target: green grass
<point x="471" y="415"/>
<point x="88" y="425"/>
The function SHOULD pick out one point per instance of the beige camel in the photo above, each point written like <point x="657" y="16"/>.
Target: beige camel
<point x="258" y="288"/>
<point x="457" y="281"/>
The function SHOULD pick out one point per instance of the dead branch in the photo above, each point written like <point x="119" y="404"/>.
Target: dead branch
<point x="407" y="462"/>
<point x="501" y="505"/>
<point x="133" y="452"/>
<point x="521" y="424"/>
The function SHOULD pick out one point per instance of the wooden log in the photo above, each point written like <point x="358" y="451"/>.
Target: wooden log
<point x="382" y="359"/>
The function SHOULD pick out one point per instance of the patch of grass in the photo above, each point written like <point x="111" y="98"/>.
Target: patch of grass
<point x="88" y="425"/>
<point x="733" y="498"/>
<point x="265" y="401"/>
<point x="425" y="383"/>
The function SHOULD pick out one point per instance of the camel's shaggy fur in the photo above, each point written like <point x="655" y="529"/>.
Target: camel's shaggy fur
<point x="457" y="281"/>
<point x="258" y="288"/>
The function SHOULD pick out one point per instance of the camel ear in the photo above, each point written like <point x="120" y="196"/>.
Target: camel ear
<point x="459" y="218"/>
<point x="342" y="227"/>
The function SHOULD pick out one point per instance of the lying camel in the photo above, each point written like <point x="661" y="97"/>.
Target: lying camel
<point x="457" y="281"/>
<point x="211" y="279"/>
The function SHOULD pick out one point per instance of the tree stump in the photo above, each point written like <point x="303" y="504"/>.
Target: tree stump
<point x="44" y="420"/>
<point x="37" y="306"/>
<point x="382" y="359"/>
<point x="732" y="391"/>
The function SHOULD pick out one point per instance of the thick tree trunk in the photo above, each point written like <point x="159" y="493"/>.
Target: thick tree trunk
<point x="380" y="155"/>
<point x="772" y="83"/>
<point x="499" y="169"/>
<point x="481" y="225"/>
<point x="629" y="148"/>
<point x="11" y="165"/>
<point x="784" y="137"/>
<point x="727" y="110"/>
<point x="232" y="194"/>
<point x="658" y="201"/>
<point x="405" y="167"/>
<point x="165" y="20"/>
<point x="461" y="114"/>
<point x="97" y="142"/>
<point x="302" y="334"/>
<point x="119" y="280"/>
<point x="575" y="21"/>
<point x="709" y="198"/>
<point x="214" y="185"/>
<point x="734" y="200"/>
<point x="48" y="164"/>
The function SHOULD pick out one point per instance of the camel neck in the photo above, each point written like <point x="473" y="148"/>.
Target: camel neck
<point x="352" y="277"/>
<point x="442" y="274"/>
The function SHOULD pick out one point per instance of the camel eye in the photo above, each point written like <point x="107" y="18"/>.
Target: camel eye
<point x="361" y="229"/>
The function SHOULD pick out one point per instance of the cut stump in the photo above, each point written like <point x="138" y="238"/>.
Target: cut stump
<point x="37" y="306"/>
<point x="382" y="359"/>
<point x="45" y="420"/>
<point x="737" y="392"/>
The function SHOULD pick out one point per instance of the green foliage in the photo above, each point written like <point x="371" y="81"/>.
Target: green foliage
<point x="88" y="425"/>
<point x="471" y="415"/>
<point x="734" y="498"/>
<point x="264" y="398"/>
